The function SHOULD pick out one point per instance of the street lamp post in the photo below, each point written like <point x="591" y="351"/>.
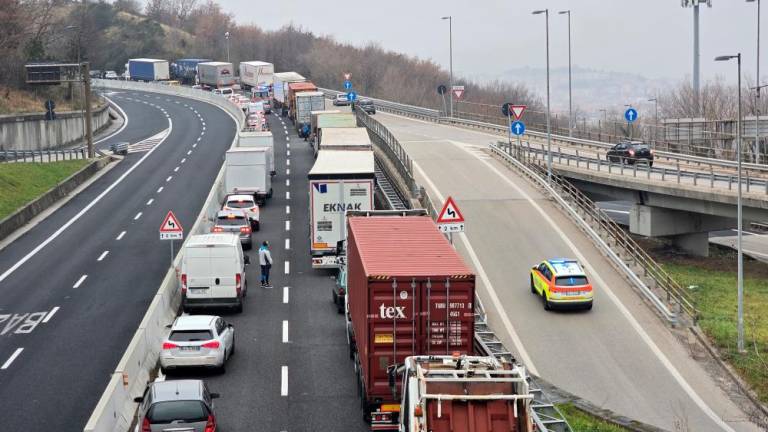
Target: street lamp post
<point x="605" y="119"/>
<point x="570" y="93"/>
<point x="549" y="127"/>
<point x="450" y="58"/>
<point x="739" y="252"/>
<point x="655" y="119"/>
<point x="757" y="88"/>
<point x="226" y="35"/>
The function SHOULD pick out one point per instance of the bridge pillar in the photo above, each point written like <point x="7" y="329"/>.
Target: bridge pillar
<point x="687" y="230"/>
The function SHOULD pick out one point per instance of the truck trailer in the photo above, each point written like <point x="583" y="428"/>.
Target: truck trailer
<point x="347" y="138"/>
<point x="144" y="69"/>
<point x="259" y="139"/>
<point x="293" y="90"/>
<point x="216" y="74"/>
<point x="305" y="103"/>
<point x="247" y="172"/>
<point x="338" y="181"/>
<point x="409" y="293"/>
<point x="185" y="70"/>
<point x="255" y="74"/>
<point x="280" y="86"/>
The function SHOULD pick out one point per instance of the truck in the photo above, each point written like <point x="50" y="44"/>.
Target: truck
<point x="448" y="393"/>
<point x="338" y="181"/>
<point x="215" y="74"/>
<point x="247" y="172"/>
<point x="145" y="69"/>
<point x="185" y="70"/>
<point x="409" y="293"/>
<point x="293" y="90"/>
<point x="256" y="74"/>
<point x="329" y="119"/>
<point x="345" y="138"/>
<point x="280" y="83"/>
<point x="305" y="103"/>
<point x="259" y="139"/>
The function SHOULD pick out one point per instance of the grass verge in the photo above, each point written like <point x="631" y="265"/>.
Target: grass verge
<point x="21" y="183"/>
<point x="583" y="422"/>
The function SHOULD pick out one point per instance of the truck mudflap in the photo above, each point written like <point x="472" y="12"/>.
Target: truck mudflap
<point x="325" y="262"/>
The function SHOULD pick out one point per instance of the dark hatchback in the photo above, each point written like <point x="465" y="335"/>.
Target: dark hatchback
<point x="630" y="152"/>
<point x="366" y="105"/>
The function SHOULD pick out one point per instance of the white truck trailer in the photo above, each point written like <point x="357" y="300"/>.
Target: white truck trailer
<point x="280" y="86"/>
<point x="247" y="172"/>
<point x="306" y="102"/>
<point x="216" y="74"/>
<point x="259" y="139"/>
<point x="255" y="74"/>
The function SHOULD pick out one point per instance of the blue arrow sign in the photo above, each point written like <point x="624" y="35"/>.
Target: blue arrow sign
<point x="630" y="114"/>
<point x="347" y="84"/>
<point x="517" y="127"/>
<point x="351" y="96"/>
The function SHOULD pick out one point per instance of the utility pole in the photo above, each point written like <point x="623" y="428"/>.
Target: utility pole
<point x="570" y="88"/>
<point x="86" y="68"/>
<point x="549" y="124"/>
<point x="757" y="88"/>
<point x="695" y="4"/>
<point x="450" y="57"/>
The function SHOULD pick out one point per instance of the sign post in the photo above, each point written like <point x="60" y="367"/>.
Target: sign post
<point x="171" y="230"/>
<point x="458" y="91"/>
<point x="441" y="90"/>
<point x="450" y="219"/>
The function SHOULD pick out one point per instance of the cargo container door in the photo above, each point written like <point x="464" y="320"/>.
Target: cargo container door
<point x="447" y="317"/>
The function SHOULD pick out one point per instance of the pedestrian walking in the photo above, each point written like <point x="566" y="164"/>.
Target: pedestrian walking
<point x="265" y="261"/>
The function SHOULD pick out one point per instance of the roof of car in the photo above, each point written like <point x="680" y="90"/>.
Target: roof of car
<point x="177" y="390"/>
<point x="193" y="322"/>
<point x="566" y="267"/>
<point x="232" y="213"/>
<point x="211" y="240"/>
<point x="239" y="197"/>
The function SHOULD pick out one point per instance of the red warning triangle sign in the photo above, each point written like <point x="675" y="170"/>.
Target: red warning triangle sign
<point x="450" y="213"/>
<point x="171" y="224"/>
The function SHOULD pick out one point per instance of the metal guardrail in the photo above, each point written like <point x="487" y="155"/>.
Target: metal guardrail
<point x="9" y="156"/>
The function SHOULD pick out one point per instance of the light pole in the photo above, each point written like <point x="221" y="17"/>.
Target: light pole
<point x="757" y="88"/>
<point x="549" y="128"/>
<point x="655" y="118"/>
<point x="605" y="119"/>
<point x="226" y="35"/>
<point x="695" y="4"/>
<point x="739" y="254"/>
<point x="450" y="57"/>
<point x="570" y="93"/>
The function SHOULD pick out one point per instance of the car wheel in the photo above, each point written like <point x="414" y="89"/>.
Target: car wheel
<point x="232" y="350"/>
<point x="589" y="306"/>
<point x="239" y="307"/>
<point x="533" y="287"/>
<point x="544" y="300"/>
<point x="257" y="227"/>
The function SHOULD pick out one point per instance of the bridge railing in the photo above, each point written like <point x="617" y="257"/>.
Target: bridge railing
<point x="43" y="155"/>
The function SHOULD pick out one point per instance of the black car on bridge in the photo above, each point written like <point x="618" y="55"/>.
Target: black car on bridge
<point x="630" y="152"/>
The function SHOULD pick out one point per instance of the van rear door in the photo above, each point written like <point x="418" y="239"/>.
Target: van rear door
<point x="211" y="272"/>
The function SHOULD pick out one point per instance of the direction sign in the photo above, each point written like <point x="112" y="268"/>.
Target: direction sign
<point x="630" y="114"/>
<point x="517" y="127"/>
<point x="351" y="96"/>
<point x="347" y="84"/>
<point x="517" y="111"/>
<point x="458" y="91"/>
<point x="171" y="229"/>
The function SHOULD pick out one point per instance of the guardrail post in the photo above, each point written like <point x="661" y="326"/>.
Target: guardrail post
<point x="49" y="159"/>
<point x="678" y="172"/>
<point x="663" y="174"/>
<point x="599" y="162"/>
<point x="712" y="178"/>
<point x="648" y="171"/>
<point x="730" y="180"/>
<point x="621" y="169"/>
<point x="747" y="171"/>
<point x="559" y="155"/>
<point x="577" y="165"/>
<point x="634" y="170"/>
<point x="695" y="177"/>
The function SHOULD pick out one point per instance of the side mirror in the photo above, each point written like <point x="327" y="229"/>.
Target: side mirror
<point x="215" y="395"/>
<point x="247" y="260"/>
<point x="138" y="399"/>
<point x="230" y="325"/>
<point x="534" y="267"/>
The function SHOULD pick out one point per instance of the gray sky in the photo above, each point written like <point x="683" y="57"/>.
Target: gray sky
<point x="652" y="37"/>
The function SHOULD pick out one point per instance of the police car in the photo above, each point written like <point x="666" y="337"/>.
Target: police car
<point x="561" y="283"/>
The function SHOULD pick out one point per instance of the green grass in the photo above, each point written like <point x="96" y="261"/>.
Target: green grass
<point x="583" y="422"/>
<point x="21" y="183"/>
<point x="715" y="297"/>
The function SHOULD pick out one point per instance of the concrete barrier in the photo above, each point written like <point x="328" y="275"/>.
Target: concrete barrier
<point x="116" y="409"/>
<point x="34" y="132"/>
<point x="23" y="215"/>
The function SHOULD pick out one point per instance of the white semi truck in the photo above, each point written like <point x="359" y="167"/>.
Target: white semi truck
<point x="255" y="74"/>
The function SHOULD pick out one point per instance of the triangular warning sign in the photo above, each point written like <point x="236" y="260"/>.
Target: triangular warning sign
<point x="450" y="213"/>
<point x="171" y="224"/>
<point x="458" y="92"/>
<point x="517" y="111"/>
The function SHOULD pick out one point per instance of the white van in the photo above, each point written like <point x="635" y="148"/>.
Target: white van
<point x="213" y="272"/>
<point x="224" y="91"/>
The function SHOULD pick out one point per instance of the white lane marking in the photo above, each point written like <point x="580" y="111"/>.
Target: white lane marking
<point x="138" y="215"/>
<point x="202" y="133"/>
<point x="203" y="123"/>
<point x="125" y="121"/>
<point x="287" y="225"/>
<point x="198" y="139"/>
<point x="287" y="139"/>
<point x="285" y="127"/>
<point x="287" y="267"/>
<point x="287" y="182"/>
<point x="19" y="350"/>
<point x="183" y="160"/>
<point x="189" y="152"/>
<point x="103" y="255"/>
<point x="615" y="211"/>
<point x="288" y="153"/>
<point x="120" y="236"/>
<point x="51" y="314"/>
<point x="287" y="145"/>
<point x="287" y="171"/>
<point x="287" y="195"/>
<point x="288" y="162"/>
<point x="285" y="295"/>
<point x="74" y="219"/>
<point x="606" y="289"/>
<point x="287" y="243"/>
<point x="285" y="331"/>
<point x="80" y="281"/>
<point x="168" y="179"/>
<point x="284" y="381"/>
<point x="287" y="209"/>
<point x="193" y="146"/>
<point x="176" y="169"/>
<point x="160" y="189"/>
<point x="151" y="200"/>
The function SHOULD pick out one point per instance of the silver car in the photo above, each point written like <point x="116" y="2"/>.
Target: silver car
<point x="198" y="341"/>
<point x="234" y="221"/>
<point x="182" y="406"/>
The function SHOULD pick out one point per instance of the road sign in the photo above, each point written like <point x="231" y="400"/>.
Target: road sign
<point x="517" y="111"/>
<point x="450" y="213"/>
<point x="447" y="228"/>
<point x="50" y="105"/>
<point x="171" y="229"/>
<point x="517" y="127"/>
<point x="458" y="91"/>
<point x="441" y="89"/>
<point x="630" y="114"/>
<point x="351" y="96"/>
<point x="347" y="76"/>
<point x="347" y="84"/>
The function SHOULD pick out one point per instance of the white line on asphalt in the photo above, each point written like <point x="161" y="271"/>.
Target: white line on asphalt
<point x="203" y="130"/>
<point x="287" y="225"/>
<point x="138" y="215"/>
<point x="284" y="381"/>
<point x="189" y="152"/>
<point x="287" y="182"/>
<point x="615" y="211"/>
<point x="203" y="123"/>
<point x="50" y="314"/>
<point x="19" y="350"/>
<point x="285" y="331"/>
<point x="287" y="209"/>
<point x="151" y="200"/>
<point x="120" y="236"/>
<point x="183" y="160"/>
<point x="193" y="146"/>
<point x="168" y="179"/>
<point x="287" y="267"/>
<point x="202" y="133"/>
<point x="288" y="162"/>
<point x="176" y="169"/>
<point x="80" y="281"/>
<point x="103" y="255"/>
<point x="198" y="139"/>
<point x="287" y="171"/>
<point x="287" y="145"/>
<point x="287" y="243"/>
<point x="285" y="295"/>
<point x="287" y="195"/>
<point x="160" y="189"/>
<point x="85" y="209"/>
<point x="288" y="153"/>
<point x="287" y="139"/>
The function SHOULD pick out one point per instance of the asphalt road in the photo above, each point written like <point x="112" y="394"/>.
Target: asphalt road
<point x="319" y="393"/>
<point x="76" y="286"/>
<point x="619" y="355"/>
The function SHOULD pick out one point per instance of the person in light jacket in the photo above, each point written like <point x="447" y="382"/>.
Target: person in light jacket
<point x="265" y="261"/>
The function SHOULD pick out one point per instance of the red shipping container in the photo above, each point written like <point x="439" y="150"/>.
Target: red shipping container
<point x="410" y="293"/>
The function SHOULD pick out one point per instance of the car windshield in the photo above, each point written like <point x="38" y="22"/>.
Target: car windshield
<point x="571" y="280"/>
<point x="190" y="335"/>
<point x="230" y="221"/>
<point x="238" y="204"/>
<point x="185" y="411"/>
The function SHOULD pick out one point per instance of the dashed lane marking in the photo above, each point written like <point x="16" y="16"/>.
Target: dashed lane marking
<point x="285" y="295"/>
<point x="120" y="236"/>
<point x="138" y="215"/>
<point x="80" y="281"/>
<point x="50" y="314"/>
<point x="18" y="351"/>
<point x="103" y="255"/>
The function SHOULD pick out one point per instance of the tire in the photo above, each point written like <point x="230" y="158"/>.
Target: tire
<point x="544" y="300"/>
<point x="239" y="307"/>
<point x="232" y="351"/>
<point x="533" y="287"/>
<point x="589" y="307"/>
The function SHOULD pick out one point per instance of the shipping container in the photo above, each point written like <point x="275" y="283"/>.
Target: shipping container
<point x="306" y="102"/>
<point x="185" y="70"/>
<point x="144" y="69"/>
<point x="216" y="74"/>
<point x="255" y="74"/>
<point x="293" y="90"/>
<point x="280" y="86"/>
<point x="349" y="138"/>
<point x="409" y="293"/>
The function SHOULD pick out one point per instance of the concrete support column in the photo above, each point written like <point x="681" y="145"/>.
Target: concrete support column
<point x="696" y="244"/>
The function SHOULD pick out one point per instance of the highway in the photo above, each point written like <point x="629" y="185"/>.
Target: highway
<point x="620" y="355"/>
<point x="76" y="286"/>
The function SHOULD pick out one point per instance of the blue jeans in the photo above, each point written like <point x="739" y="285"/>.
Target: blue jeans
<point x="265" y="274"/>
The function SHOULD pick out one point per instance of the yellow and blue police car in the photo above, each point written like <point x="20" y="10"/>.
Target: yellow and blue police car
<point x="562" y="283"/>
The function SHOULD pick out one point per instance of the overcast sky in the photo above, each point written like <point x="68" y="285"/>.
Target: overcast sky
<point x="653" y="37"/>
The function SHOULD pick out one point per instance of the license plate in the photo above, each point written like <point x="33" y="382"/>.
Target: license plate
<point x="198" y="290"/>
<point x="190" y="348"/>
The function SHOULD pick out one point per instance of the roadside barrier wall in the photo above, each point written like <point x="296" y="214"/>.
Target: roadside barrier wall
<point x="34" y="132"/>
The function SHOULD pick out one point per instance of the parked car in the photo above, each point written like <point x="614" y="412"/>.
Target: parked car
<point x="630" y="152"/>
<point x="245" y="203"/>
<point x="366" y="105"/>
<point x="111" y="75"/>
<point x="166" y="405"/>
<point x="198" y="341"/>
<point x="341" y="100"/>
<point x="234" y="221"/>
<point x="213" y="272"/>
<point x="225" y="91"/>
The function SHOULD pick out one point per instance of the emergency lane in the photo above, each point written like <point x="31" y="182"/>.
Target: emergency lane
<point x="620" y="355"/>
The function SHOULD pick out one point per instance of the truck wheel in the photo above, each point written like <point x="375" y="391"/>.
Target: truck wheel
<point x="239" y="307"/>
